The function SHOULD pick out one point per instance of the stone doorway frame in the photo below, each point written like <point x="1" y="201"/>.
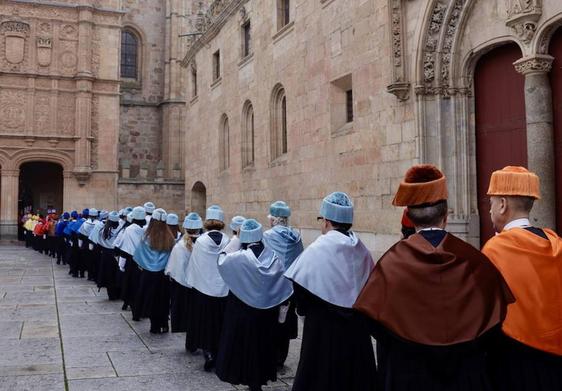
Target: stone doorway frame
<point x="445" y="104"/>
<point x="9" y="183"/>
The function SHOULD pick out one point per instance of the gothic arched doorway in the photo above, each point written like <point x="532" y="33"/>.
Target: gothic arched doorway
<point x="556" y="83"/>
<point x="40" y="187"/>
<point x="199" y="199"/>
<point x="501" y="135"/>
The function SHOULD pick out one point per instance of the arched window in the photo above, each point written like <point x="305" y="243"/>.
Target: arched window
<point x="224" y="143"/>
<point x="248" y="135"/>
<point x="130" y="50"/>
<point x="278" y="122"/>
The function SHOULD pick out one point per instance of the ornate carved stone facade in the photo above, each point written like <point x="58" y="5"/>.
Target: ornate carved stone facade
<point x="60" y="96"/>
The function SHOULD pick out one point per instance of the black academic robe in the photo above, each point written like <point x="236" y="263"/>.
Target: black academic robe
<point x="248" y="350"/>
<point x="153" y="299"/>
<point x="108" y="273"/>
<point x="514" y="366"/>
<point x="179" y="306"/>
<point x="205" y="317"/>
<point x="337" y="351"/>
<point x="408" y="366"/>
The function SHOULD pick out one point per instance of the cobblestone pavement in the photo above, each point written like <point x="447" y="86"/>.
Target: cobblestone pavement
<point x="59" y="332"/>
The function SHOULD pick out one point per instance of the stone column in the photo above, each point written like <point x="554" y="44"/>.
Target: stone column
<point x="84" y="85"/>
<point x="9" y="204"/>
<point x="540" y="133"/>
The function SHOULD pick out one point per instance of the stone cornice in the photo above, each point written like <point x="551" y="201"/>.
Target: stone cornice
<point x="213" y="27"/>
<point x="73" y="6"/>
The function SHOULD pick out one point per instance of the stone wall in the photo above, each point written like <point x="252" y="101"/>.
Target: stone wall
<point x="322" y="44"/>
<point x="169" y="196"/>
<point x="140" y="138"/>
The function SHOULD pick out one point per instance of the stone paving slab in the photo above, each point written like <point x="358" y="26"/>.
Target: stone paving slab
<point x="56" y="328"/>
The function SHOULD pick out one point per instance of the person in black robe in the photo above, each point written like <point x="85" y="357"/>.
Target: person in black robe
<point x="433" y="302"/>
<point x="337" y="351"/>
<point x="125" y="250"/>
<point x="208" y="295"/>
<point x="151" y="255"/>
<point x="248" y="347"/>
<point x="176" y="269"/>
<point x="108" y="268"/>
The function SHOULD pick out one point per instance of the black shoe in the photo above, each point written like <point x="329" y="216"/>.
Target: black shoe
<point x="164" y="330"/>
<point x="124" y="307"/>
<point x="58" y="262"/>
<point x="255" y="388"/>
<point x="209" y="361"/>
<point x="82" y="275"/>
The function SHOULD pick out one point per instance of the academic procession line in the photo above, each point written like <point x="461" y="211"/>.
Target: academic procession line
<point x="445" y="316"/>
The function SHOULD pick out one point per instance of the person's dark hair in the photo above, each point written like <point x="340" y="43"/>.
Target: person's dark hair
<point x="213" y="225"/>
<point x="428" y="215"/>
<point x="407" y="232"/>
<point x="343" y="228"/>
<point x="159" y="236"/>
<point x="523" y="204"/>
<point x="141" y="223"/>
<point x="109" y="226"/>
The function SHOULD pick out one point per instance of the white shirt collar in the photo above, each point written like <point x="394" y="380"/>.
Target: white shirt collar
<point x="430" y="229"/>
<point x="519" y="223"/>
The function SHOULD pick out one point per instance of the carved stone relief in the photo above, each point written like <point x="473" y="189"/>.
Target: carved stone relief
<point x="12" y="110"/>
<point x="522" y="17"/>
<point x="44" y="51"/>
<point x="400" y="87"/>
<point x="14" y="44"/>
<point x="540" y="63"/>
<point x="66" y="112"/>
<point x="42" y="114"/>
<point x="438" y="49"/>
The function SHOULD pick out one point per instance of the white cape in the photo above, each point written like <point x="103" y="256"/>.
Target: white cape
<point x="87" y="227"/>
<point x="258" y="282"/>
<point x="335" y="267"/>
<point x="233" y="246"/>
<point x="177" y="264"/>
<point x="202" y="270"/>
<point x="131" y="239"/>
<point x="96" y="231"/>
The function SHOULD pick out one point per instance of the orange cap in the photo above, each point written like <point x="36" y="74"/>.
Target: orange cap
<point x="423" y="184"/>
<point x="515" y="181"/>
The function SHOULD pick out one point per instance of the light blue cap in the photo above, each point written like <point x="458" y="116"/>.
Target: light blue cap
<point x="149" y="207"/>
<point x="214" y="212"/>
<point x="250" y="231"/>
<point x="279" y="209"/>
<point x="160" y="215"/>
<point x="172" y="219"/>
<point x="130" y="217"/>
<point x="104" y="214"/>
<point x="138" y="213"/>
<point x="337" y="207"/>
<point x="236" y="222"/>
<point x="113" y="216"/>
<point x="193" y="221"/>
<point x="122" y="212"/>
<point x="93" y="212"/>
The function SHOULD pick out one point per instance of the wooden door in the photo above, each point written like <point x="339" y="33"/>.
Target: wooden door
<point x="501" y="135"/>
<point x="556" y="82"/>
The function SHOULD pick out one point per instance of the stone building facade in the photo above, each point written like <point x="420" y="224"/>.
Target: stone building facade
<point x="294" y="99"/>
<point x="70" y="118"/>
